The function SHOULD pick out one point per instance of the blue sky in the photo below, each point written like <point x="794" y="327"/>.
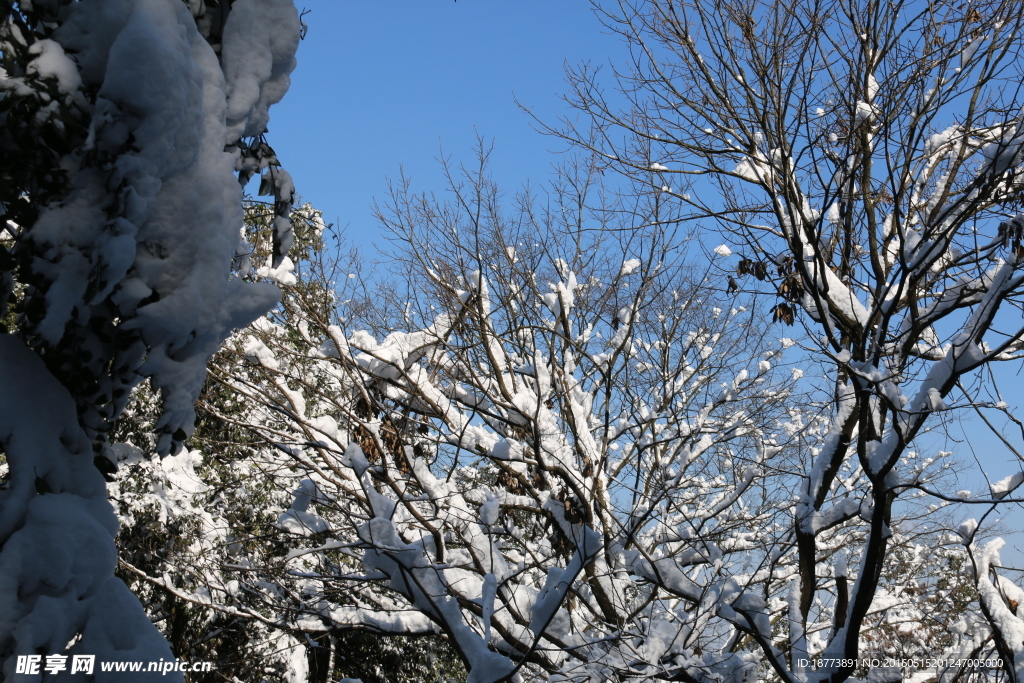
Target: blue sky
<point x="385" y="84"/>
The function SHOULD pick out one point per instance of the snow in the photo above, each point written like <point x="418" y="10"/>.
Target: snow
<point x="841" y="568"/>
<point x="970" y="50"/>
<point x="1007" y="485"/>
<point x="298" y="519"/>
<point x="967" y="530"/>
<point x="178" y="236"/>
<point x="283" y="274"/>
<point x="797" y="634"/>
<point x="354" y="458"/>
<point x="832" y="215"/>
<point x="57" y="554"/>
<point x="258" y="352"/>
<point x="426" y="588"/>
<point x="629" y="266"/>
<point x="258" y="55"/>
<point x="564" y="297"/>
<point x="434" y="554"/>
<point x="939" y="140"/>
<point x="935" y="401"/>
<point x="872" y="87"/>
<point x="994" y="595"/>
<point x="489" y="510"/>
<point x="53" y="63"/>
<point x="180" y="471"/>
<point x="559" y="581"/>
<point x="490" y="589"/>
<point x="863" y="112"/>
<point x="751" y="169"/>
<point x="843" y="510"/>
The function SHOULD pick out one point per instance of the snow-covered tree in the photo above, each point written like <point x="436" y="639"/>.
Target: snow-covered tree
<point x="863" y="160"/>
<point x="556" y="410"/>
<point x="339" y="485"/>
<point x="126" y="126"/>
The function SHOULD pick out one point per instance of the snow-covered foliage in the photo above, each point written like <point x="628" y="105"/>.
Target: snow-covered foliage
<point x="863" y="161"/>
<point x="122" y="208"/>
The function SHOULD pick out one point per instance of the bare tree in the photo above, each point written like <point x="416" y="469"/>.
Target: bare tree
<point x="864" y="160"/>
<point x="571" y="418"/>
<point x="548" y="443"/>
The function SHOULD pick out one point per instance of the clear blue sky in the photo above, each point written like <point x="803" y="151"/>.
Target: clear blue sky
<point x="386" y="83"/>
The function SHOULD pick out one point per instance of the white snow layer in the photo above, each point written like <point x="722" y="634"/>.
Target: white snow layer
<point x="53" y="63"/>
<point x="629" y="266"/>
<point x="1004" y="487"/>
<point x="58" y="557"/>
<point x="160" y="86"/>
<point x="164" y="111"/>
<point x="258" y="55"/>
